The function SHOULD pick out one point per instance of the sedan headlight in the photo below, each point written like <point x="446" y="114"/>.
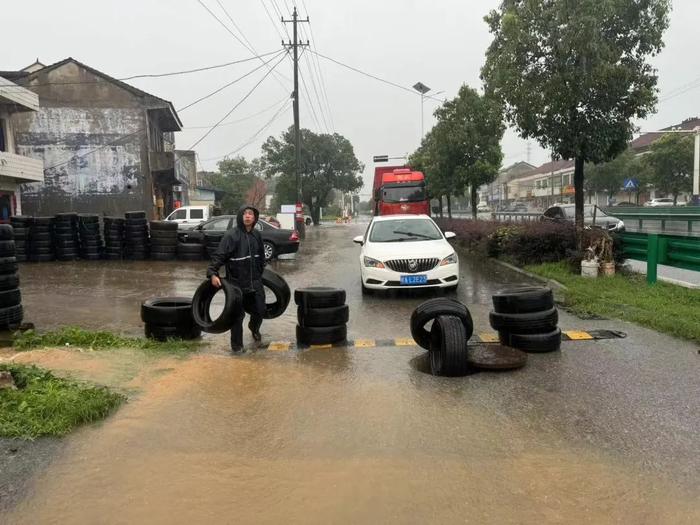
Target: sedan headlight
<point x="450" y="259"/>
<point x="373" y="263"/>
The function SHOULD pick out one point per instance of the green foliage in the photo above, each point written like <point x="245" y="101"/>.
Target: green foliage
<point x="610" y="176"/>
<point x="45" y="405"/>
<point x="328" y="163"/>
<point x="664" y="307"/>
<point x="671" y="162"/>
<point x="574" y="74"/>
<point x="72" y="336"/>
<point x="238" y="178"/>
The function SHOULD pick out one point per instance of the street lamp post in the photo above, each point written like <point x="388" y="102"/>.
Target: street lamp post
<point x="422" y="89"/>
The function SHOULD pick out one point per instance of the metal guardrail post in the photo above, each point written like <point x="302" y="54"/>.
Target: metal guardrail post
<point x="652" y="257"/>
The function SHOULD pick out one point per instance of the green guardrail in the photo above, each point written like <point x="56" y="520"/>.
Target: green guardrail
<point x="687" y="214"/>
<point x="669" y="250"/>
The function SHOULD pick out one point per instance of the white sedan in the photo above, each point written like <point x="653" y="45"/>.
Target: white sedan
<point x="407" y="251"/>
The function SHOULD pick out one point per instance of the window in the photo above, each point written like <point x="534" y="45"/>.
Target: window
<point x="178" y="215"/>
<point x="217" y="225"/>
<point x="196" y="214"/>
<point x="555" y="212"/>
<point x="403" y="194"/>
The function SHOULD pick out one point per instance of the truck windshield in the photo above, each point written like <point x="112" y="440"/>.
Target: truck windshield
<point x="403" y="193"/>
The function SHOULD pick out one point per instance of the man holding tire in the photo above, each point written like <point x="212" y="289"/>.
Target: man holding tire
<point x="241" y="250"/>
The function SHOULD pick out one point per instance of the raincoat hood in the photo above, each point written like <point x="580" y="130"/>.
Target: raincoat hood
<point x="239" y="217"/>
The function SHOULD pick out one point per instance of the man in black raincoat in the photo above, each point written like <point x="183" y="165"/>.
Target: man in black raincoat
<point x="241" y="250"/>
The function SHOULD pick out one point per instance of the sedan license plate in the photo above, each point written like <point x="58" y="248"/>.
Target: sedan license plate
<point x="414" y="279"/>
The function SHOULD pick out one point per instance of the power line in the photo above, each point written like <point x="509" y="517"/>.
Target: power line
<point x="231" y="122"/>
<point x="272" y="20"/>
<point x="313" y="111"/>
<point x="237" y="104"/>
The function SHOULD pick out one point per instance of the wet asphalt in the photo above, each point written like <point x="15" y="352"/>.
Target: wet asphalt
<point x="603" y="431"/>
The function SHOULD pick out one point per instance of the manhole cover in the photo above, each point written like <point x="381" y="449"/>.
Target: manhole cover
<point x="496" y="357"/>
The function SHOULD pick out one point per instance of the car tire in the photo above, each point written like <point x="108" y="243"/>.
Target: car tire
<point x="11" y="316"/>
<point x="322" y="317"/>
<point x="9" y="298"/>
<point x="270" y="250"/>
<point x="279" y="287"/>
<point x="7" y="248"/>
<point x="433" y="308"/>
<point x="6" y="232"/>
<point x="8" y="265"/>
<point x="319" y="297"/>
<point x="162" y="256"/>
<point x="167" y="311"/>
<point x="365" y="290"/>
<point x="529" y="323"/>
<point x="532" y="343"/>
<point x="523" y="300"/>
<point x="135" y="215"/>
<point x="202" y="300"/>
<point x="9" y="281"/>
<point x="189" y="256"/>
<point x="448" y="347"/>
<point x="308" y="335"/>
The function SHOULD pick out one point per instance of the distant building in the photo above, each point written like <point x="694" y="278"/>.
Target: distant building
<point x="15" y="168"/>
<point x="107" y="147"/>
<point x="496" y="193"/>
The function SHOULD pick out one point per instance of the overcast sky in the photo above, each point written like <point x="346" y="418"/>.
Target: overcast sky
<point x="440" y="43"/>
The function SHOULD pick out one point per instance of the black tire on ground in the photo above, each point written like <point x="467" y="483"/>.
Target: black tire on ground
<point x="321" y="335"/>
<point x="532" y="343"/>
<point x="319" y="297"/>
<point x="8" y="265"/>
<point x="21" y="257"/>
<point x="6" y="232"/>
<point x="270" y="250"/>
<point x="522" y="300"/>
<point x="432" y="308"/>
<point x="530" y="323"/>
<point x="7" y="248"/>
<point x="190" y="247"/>
<point x="159" y="256"/>
<point x="167" y="311"/>
<point x="166" y="250"/>
<point x="137" y="257"/>
<point x="11" y="317"/>
<point x="40" y="230"/>
<point x="279" y="287"/>
<point x="9" y="281"/>
<point x="448" y="347"/>
<point x="114" y="256"/>
<point x="165" y="235"/>
<point x="64" y="237"/>
<point x="11" y="297"/>
<point x="164" y="226"/>
<point x="135" y="215"/>
<point x="190" y="256"/>
<point x="21" y="233"/>
<point x="163" y="333"/>
<point x="202" y="300"/>
<point x="88" y="218"/>
<point x="319" y="317"/>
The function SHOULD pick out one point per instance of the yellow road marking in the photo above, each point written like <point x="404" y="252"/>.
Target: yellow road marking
<point x="320" y="347"/>
<point x="489" y="338"/>
<point x="405" y="341"/>
<point x="365" y="343"/>
<point x="279" y="346"/>
<point x="575" y="335"/>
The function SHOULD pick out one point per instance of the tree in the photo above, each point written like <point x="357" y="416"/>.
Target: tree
<point x="235" y="177"/>
<point x="328" y="163"/>
<point x="671" y="162"/>
<point x="610" y="176"/>
<point x="255" y="195"/>
<point x="572" y="74"/>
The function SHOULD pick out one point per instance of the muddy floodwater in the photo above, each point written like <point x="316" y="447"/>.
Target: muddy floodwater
<point x="601" y="432"/>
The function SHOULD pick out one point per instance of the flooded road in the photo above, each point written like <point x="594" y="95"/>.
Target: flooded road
<point x="602" y="432"/>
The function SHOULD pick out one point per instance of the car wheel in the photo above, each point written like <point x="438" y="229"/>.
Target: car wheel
<point x="270" y="251"/>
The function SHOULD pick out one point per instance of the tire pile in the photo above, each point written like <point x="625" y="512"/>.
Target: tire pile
<point x="136" y="235"/>
<point x="114" y="228"/>
<point x="21" y="226"/>
<point x="169" y="318"/>
<point x="190" y="251"/>
<point x="526" y="318"/>
<point x="41" y="247"/>
<point x="11" y="312"/>
<point x="163" y="240"/>
<point x="65" y="236"/>
<point x="90" y="237"/>
<point x="322" y="315"/>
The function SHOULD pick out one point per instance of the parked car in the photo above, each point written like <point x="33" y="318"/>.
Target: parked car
<point x="406" y="251"/>
<point x="660" y="202"/>
<point x="482" y="207"/>
<point x="592" y="216"/>
<point x="277" y="241"/>
<point x="626" y="204"/>
<point x="187" y="217"/>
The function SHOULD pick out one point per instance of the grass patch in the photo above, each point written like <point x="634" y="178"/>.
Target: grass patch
<point x="664" y="307"/>
<point x="77" y="337"/>
<point x="45" y="405"/>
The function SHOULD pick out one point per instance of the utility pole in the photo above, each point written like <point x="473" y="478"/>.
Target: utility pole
<point x="295" y="44"/>
<point x="696" y="169"/>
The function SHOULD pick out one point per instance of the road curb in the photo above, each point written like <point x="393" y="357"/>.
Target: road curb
<point x="551" y="282"/>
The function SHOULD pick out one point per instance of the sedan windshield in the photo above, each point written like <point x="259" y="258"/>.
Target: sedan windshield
<point x="404" y="230"/>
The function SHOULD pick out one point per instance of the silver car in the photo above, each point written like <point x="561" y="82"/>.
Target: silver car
<point x="592" y="216"/>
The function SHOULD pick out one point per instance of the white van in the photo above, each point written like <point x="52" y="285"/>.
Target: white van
<point x="187" y="217"/>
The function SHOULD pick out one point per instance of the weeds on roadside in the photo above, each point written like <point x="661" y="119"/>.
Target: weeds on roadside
<point x="46" y="405"/>
<point x="77" y="337"/>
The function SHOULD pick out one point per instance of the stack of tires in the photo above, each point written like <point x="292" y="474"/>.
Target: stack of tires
<point x="113" y="229"/>
<point x="211" y="243"/>
<point x="136" y="235"/>
<point x="446" y="340"/>
<point x="190" y="251"/>
<point x="526" y="319"/>
<point x="65" y="236"/>
<point x="21" y="226"/>
<point x="163" y="240"/>
<point x="90" y="237"/>
<point x="322" y="315"/>
<point x="41" y="244"/>
<point x="11" y="312"/>
<point x="169" y="318"/>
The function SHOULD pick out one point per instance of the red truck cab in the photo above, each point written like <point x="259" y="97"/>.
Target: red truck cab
<point x="399" y="190"/>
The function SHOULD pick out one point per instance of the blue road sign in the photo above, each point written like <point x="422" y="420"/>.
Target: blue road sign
<point x="630" y="184"/>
